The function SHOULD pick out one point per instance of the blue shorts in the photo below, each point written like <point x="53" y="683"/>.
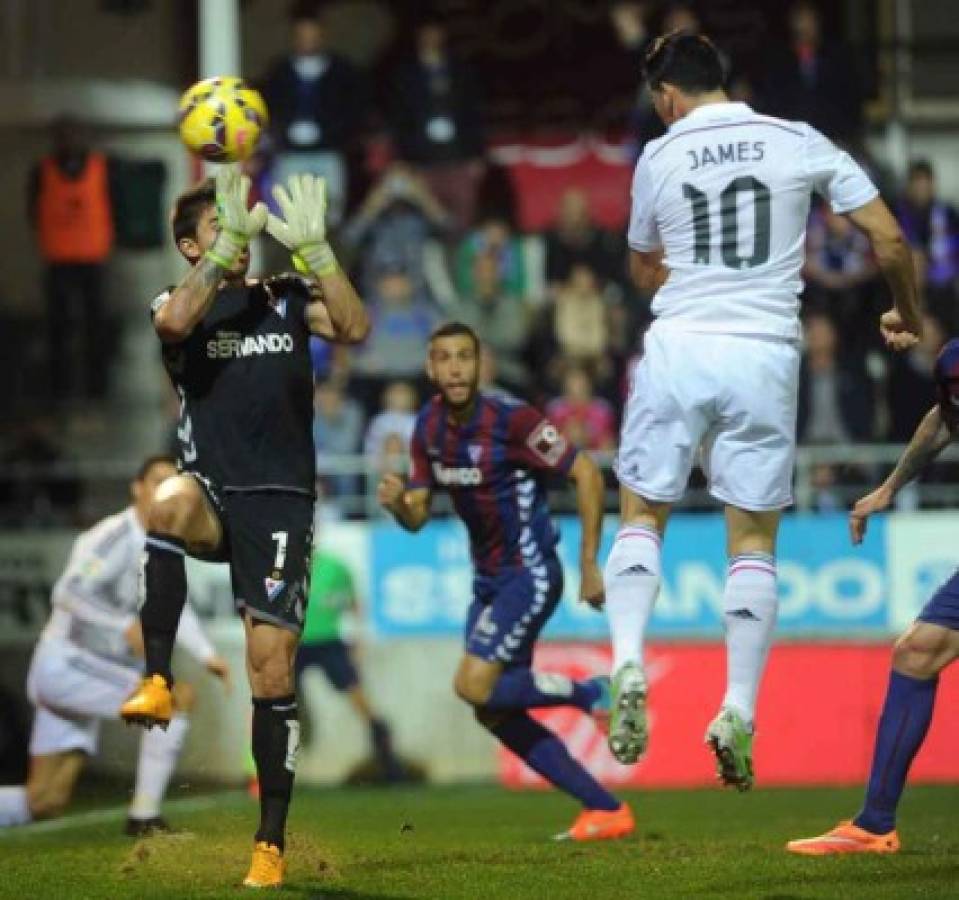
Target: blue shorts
<point x="943" y="607"/>
<point x="333" y="657"/>
<point x="509" y="611"/>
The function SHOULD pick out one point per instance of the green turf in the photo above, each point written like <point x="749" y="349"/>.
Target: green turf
<point x="483" y="842"/>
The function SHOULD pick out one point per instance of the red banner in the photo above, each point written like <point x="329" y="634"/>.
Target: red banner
<point x="816" y="720"/>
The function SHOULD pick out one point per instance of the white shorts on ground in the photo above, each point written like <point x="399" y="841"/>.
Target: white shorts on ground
<point x="72" y="690"/>
<point x="733" y="397"/>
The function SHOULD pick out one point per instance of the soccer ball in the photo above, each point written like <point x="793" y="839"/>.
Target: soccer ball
<point x="221" y="119"/>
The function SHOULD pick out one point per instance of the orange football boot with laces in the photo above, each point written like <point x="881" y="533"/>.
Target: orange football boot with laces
<point x="267" y="868"/>
<point x="600" y="825"/>
<point x="150" y="704"/>
<point x="846" y="838"/>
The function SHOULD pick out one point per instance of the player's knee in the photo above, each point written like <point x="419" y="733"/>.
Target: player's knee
<point x="47" y="802"/>
<point x="171" y="515"/>
<point x="271" y="675"/>
<point x="918" y="653"/>
<point x="184" y="697"/>
<point x="472" y="688"/>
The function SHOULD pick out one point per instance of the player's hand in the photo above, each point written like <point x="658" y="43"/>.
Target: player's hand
<point x="302" y="230"/>
<point x="134" y="639"/>
<point x="591" y="587"/>
<point x="218" y="666"/>
<point x="237" y="223"/>
<point x="896" y="334"/>
<point x="390" y="490"/>
<point x="877" y="501"/>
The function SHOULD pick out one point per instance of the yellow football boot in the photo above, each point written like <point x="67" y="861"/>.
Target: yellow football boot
<point x="150" y="704"/>
<point x="267" y="867"/>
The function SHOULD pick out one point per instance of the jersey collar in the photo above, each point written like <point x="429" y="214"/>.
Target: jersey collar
<point x="712" y="112"/>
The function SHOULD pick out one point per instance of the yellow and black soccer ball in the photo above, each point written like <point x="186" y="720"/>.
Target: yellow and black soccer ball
<point x="222" y="119"/>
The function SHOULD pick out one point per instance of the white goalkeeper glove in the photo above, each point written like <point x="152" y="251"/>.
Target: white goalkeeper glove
<point x="237" y="224"/>
<point x="302" y="230"/>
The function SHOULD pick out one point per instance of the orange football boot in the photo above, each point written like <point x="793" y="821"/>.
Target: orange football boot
<point x="845" y="838"/>
<point x="150" y="704"/>
<point x="600" y="825"/>
<point x="267" y="868"/>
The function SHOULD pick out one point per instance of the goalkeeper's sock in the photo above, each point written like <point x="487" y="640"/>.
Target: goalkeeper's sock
<point x="522" y="688"/>
<point x="631" y="579"/>
<point x="14" y="806"/>
<point x="159" y="752"/>
<point x="905" y="719"/>
<point x="545" y="754"/>
<point x="164" y="578"/>
<point x="276" y="740"/>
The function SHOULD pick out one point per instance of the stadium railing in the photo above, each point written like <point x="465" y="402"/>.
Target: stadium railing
<point x="75" y="492"/>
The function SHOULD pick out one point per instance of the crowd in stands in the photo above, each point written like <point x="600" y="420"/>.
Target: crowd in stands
<point x="559" y="318"/>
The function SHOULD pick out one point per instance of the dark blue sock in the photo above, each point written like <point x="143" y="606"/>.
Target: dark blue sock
<point x="521" y="688"/>
<point x="544" y="753"/>
<point x="905" y="719"/>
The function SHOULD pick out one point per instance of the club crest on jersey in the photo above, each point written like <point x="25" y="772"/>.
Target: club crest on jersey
<point x="476" y="453"/>
<point x="273" y="588"/>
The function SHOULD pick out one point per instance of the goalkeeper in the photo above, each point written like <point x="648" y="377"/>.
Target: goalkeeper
<point x="237" y="352"/>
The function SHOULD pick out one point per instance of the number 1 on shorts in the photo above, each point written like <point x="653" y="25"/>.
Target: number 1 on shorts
<point x="281" y="538"/>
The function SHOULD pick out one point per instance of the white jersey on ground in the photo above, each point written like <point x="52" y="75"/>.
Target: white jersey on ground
<point x="726" y="194"/>
<point x="96" y="599"/>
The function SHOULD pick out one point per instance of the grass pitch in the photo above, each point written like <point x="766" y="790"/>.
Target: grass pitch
<point x="483" y="842"/>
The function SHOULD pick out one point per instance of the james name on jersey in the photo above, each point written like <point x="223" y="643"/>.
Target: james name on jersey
<point x="738" y="152"/>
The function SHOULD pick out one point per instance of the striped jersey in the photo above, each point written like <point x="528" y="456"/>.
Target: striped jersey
<point x="494" y="468"/>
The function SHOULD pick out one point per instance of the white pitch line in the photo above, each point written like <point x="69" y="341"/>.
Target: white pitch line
<point x="115" y="814"/>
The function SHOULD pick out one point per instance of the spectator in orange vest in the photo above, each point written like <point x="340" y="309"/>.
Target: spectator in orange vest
<point x="71" y="211"/>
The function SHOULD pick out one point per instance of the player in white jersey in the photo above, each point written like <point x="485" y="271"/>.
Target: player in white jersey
<point x="88" y="660"/>
<point x="717" y="230"/>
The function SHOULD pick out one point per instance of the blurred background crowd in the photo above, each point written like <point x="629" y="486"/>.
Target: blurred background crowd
<point x="461" y="190"/>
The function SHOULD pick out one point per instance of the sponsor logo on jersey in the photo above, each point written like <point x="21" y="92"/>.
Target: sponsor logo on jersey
<point x="463" y="476"/>
<point x="232" y="345"/>
<point x="547" y="443"/>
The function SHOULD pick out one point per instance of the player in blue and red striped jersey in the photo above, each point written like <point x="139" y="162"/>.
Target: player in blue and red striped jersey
<point x="492" y="454"/>
<point x="929" y="645"/>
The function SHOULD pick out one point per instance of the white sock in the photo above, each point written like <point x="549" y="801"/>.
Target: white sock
<point x="159" y="751"/>
<point x="14" y="808"/>
<point x="632" y="584"/>
<point x="750" y="608"/>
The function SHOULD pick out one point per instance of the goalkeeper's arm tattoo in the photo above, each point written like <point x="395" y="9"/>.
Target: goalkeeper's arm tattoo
<point x="190" y="300"/>
<point x="932" y="436"/>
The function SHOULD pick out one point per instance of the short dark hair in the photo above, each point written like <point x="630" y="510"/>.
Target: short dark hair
<point x="452" y="329"/>
<point x="157" y="459"/>
<point x="921" y="167"/>
<point x="189" y="207"/>
<point x="689" y="61"/>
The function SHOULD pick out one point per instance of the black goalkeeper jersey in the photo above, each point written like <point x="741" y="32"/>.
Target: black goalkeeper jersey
<point x="245" y="383"/>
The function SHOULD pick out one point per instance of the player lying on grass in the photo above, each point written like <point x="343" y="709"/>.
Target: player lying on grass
<point x="491" y="454"/>
<point x="929" y="645"/>
<point x="719" y="210"/>
<point x="237" y="352"/>
<point x="89" y="658"/>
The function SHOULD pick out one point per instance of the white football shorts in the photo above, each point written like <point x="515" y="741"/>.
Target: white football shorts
<point x="731" y="397"/>
<point x="72" y="690"/>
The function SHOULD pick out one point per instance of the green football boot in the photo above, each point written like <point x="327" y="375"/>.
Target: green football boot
<point x="628" y="726"/>
<point x="731" y="741"/>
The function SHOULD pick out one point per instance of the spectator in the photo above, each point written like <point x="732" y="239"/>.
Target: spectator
<point x="337" y="431"/>
<point x="401" y="323"/>
<point x="493" y="238"/>
<point x="317" y="105"/>
<point x="911" y="385"/>
<point x="501" y="320"/>
<point x="814" y="80"/>
<point x="836" y="404"/>
<point x="71" y="210"/>
<point x="932" y="228"/>
<point x="840" y="274"/>
<point x="489" y="375"/>
<point x="575" y="239"/>
<point x="580" y="319"/>
<point x="392" y="227"/>
<point x="586" y="420"/>
<point x="394" y="421"/>
<point x="437" y="124"/>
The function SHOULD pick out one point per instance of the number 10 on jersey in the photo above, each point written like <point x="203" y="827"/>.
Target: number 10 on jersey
<point x="729" y="223"/>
